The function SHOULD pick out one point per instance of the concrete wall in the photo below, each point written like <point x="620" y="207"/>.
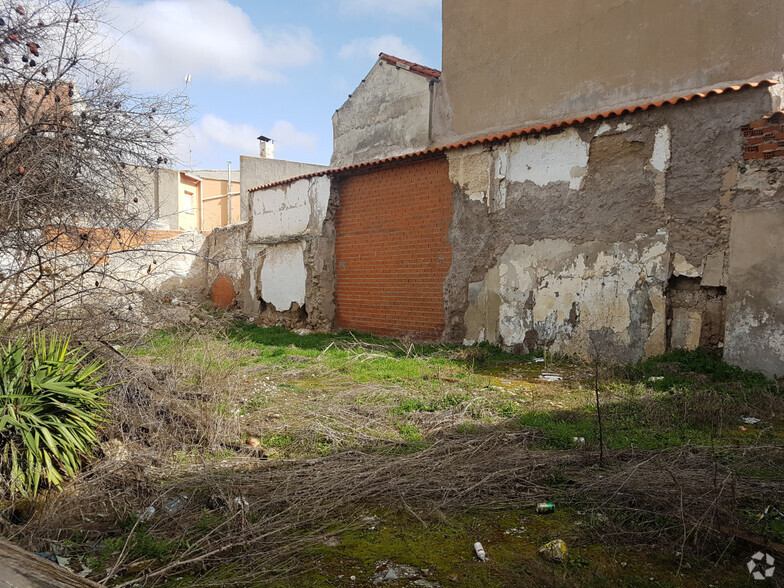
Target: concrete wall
<point x="629" y="236"/>
<point x="508" y="64"/>
<point x="259" y="171"/>
<point x="290" y="255"/>
<point x="388" y="114"/>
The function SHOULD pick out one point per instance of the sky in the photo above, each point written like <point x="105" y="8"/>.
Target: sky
<point x="260" y="67"/>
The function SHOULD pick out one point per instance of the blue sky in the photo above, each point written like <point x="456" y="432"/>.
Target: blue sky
<point x="260" y="67"/>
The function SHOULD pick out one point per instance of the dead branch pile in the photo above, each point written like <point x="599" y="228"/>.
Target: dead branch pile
<point x="268" y="513"/>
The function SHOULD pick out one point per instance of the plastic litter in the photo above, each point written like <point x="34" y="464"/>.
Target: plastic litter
<point x="750" y="420"/>
<point x="655" y="378"/>
<point x="240" y="503"/>
<point x="578" y="439"/>
<point x="538" y="359"/>
<point x="146" y="514"/>
<point x="174" y="504"/>
<point x="545" y="508"/>
<point x="554" y="551"/>
<point x="550" y="377"/>
<point x="480" y="551"/>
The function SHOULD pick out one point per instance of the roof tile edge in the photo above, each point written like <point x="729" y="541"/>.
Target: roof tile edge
<point x="527" y="131"/>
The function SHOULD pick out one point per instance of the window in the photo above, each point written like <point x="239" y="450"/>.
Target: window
<point x="187" y="203"/>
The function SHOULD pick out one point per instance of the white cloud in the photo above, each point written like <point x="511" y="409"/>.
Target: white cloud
<point x="287" y="137"/>
<point x="201" y="144"/>
<point x="372" y="46"/>
<point x="168" y="39"/>
<point x="237" y="137"/>
<point x="403" y="8"/>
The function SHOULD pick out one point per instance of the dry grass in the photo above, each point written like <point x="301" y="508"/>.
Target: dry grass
<point x="335" y="446"/>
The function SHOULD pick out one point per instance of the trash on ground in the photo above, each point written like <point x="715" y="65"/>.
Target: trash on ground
<point x="554" y="551"/>
<point x="253" y="442"/>
<point x="550" y="377"/>
<point x="742" y="428"/>
<point x="389" y="571"/>
<point x="538" y="359"/>
<point x="545" y="507"/>
<point x="655" y="378"/>
<point x="578" y="439"/>
<point x="146" y="514"/>
<point x="750" y="420"/>
<point x="62" y="561"/>
<point x="240" y="503"/>
<point x="480" y="551"/>
<point x="174" y="504"/>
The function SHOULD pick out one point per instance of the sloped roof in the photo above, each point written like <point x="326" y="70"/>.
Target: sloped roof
<point x="422" y="70"/>
<point x="530" y="130"/>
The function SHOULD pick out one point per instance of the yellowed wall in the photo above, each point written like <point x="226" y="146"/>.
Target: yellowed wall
<point x="216" y="212"/>
<point x="506" y="64"/>
<point x="189" y="221"/>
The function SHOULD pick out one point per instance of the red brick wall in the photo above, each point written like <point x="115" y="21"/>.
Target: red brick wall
<point x="391" y="250"/>
<point x="764" y="139"/>
<point x="83" y="239"/>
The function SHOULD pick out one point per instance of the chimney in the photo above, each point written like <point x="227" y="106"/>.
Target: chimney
<point x="266" y="147"/>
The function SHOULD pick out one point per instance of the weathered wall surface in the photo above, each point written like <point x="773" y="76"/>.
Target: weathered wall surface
<point x="508" y="64"/>
<point x="391" y="250"/>
<point x="755" y="315"/>
<point x="291" y="255"/>
<point x="260" y="171"/>
<point x="388" y="114"/>
<point x="227" y="269"/>
<point x="614" y="233"/>
<point x="289" y="210"/>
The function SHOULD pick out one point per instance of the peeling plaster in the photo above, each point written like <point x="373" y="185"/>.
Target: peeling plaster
<point x="283" y="275"/>
<point x="289" y="211"/>
<point x="548" y="159"/>
<point x="555" y="294"/>
<point x="660" y="160"/>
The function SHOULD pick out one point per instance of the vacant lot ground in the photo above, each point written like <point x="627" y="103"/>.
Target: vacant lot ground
<point x="255" y="456"/>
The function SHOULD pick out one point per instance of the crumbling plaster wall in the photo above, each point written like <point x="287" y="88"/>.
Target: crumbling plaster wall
<point x="574" y="240"/>
<point x="291" y="254"/>
<point x="388" y="114"/>
<point x="260" y="171"/>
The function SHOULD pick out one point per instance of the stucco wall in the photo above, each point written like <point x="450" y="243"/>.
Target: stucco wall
<point x="289" y="210"/>
<point x="290" y="255"/>
<point x="615" y="235"/>
<point x="507" y="64"/>
<point x="387" y="114"/>
<point x="260" y="171"/>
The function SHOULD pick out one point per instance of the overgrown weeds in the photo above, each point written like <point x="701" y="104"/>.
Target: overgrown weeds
<point x="348" y="423"/>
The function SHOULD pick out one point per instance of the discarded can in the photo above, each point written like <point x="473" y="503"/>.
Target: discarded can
<point x="578" y="439"/>
<point x="480" y="551"/>
<point x="545" y="507"/>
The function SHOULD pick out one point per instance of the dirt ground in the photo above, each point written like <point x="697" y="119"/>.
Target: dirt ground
<point x="255" y="456"/>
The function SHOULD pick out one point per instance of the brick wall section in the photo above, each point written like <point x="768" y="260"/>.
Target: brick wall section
<point x="81" y="239"/>
<point x="764" y="139"/>
<point x="391" y="251"/>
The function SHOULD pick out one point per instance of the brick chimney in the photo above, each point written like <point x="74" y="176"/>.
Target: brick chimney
<point x="266" y="147"/>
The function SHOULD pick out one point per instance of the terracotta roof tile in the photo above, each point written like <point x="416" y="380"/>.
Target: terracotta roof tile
<point x="529" y="131"/>
<point x="428" y="72"/>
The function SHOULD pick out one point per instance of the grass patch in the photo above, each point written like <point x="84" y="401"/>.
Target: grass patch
<point x="429" y="404"/>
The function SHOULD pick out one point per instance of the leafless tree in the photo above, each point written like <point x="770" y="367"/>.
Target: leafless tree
<point x="74" y="147"/>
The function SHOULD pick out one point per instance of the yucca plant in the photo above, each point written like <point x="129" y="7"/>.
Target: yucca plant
<point x="51" y="403"/>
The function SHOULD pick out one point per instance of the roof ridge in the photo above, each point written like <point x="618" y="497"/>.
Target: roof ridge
<point x="429" y="72"/>
<point x="530" y="130"/>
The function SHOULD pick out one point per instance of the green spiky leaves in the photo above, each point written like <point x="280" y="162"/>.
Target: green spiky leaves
<point x="51" y="403"/>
